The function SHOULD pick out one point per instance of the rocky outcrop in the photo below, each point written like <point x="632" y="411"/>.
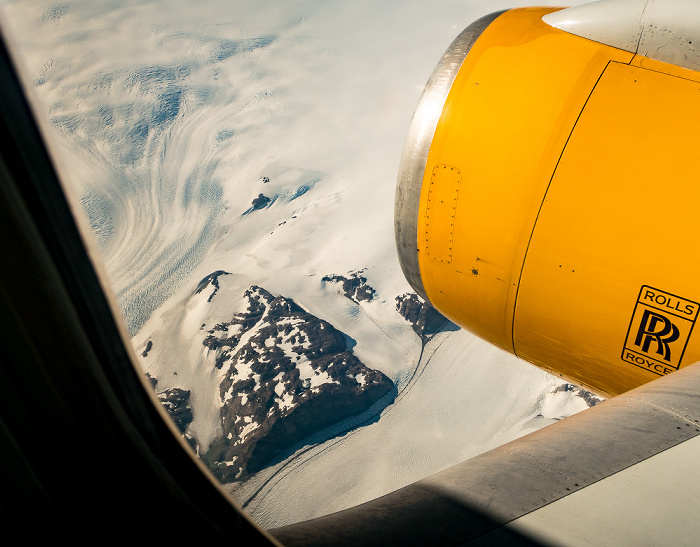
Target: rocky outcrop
<point x="260" y="202"/>
<point x="148" y="348"/>
<point x="151" y="380"/>
<point x="288" y="374"/>
<point x="425" y="319"/>
<point x="176" y="402"/>
<point x="211" y="279"/>
<point x="354" y="287"/>
<point x="587" y="396"/>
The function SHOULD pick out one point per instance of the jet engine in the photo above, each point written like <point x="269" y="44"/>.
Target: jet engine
<point x="547" y="189"/>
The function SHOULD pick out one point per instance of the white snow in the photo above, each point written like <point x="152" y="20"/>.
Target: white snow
<point x="285" y="402"/>
<point x="249" y="428"/>
<point x="279" y="388"/>
<point x="316" y="378"/>
<point x="561" y="404"/>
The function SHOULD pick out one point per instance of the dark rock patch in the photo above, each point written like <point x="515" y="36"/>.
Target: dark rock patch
<point x="288" y="375"/>
<point x="260" y="202"/>
<point x="425" y="319"/>
<point x="176" y="402"/>
<point x="151" y="380"/>
<point x="587" y="396"/>
<point x="211" y="279"/>
<point x="355" y="286"/>
<point x="149" y="346"/>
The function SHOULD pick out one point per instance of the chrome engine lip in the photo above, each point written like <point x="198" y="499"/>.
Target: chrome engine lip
<point x="417" y="147"/>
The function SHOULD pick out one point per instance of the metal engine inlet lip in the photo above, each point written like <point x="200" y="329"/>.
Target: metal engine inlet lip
<point x="417" y="147"/>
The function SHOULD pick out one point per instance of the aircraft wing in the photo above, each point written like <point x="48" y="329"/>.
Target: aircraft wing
<point x="622" y="472"/>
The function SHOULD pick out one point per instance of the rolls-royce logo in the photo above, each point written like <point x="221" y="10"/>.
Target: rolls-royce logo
<point x="659" y="330"/>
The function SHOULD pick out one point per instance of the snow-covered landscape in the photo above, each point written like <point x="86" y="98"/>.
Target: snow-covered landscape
<point x="237" y="162"/>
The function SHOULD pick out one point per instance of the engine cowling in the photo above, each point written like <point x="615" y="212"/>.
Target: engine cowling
<point x="546" y="200"/>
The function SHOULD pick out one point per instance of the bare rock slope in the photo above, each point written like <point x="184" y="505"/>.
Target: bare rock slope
<point x="287" y="374"/>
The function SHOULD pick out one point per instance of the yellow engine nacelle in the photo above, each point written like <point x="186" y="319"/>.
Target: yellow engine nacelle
<point x="546" y="201"/>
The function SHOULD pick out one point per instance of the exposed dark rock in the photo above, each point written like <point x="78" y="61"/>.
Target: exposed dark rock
<point x="149" y="345"/>
<point x="587" y="396"/>
<point x="227" y="335"/>
<point x="211" y="279"/>
<point x="176" y="402"/>
<point x="152" y="381"/>
<point x="288" y="375"/>
<point x="260" y="202"/>
<point x="355" y="286"/>
<point x="425" y="319"/>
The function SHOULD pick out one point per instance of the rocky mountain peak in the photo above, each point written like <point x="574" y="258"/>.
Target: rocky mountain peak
<point x="287" y="374"/>
<point x="425" y="319"/>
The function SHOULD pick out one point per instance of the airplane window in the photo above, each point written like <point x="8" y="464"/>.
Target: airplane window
<point x="236" y="162"/>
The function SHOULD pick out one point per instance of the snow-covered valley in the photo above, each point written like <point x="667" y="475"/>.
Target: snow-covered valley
<point x="452" y="396"/>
